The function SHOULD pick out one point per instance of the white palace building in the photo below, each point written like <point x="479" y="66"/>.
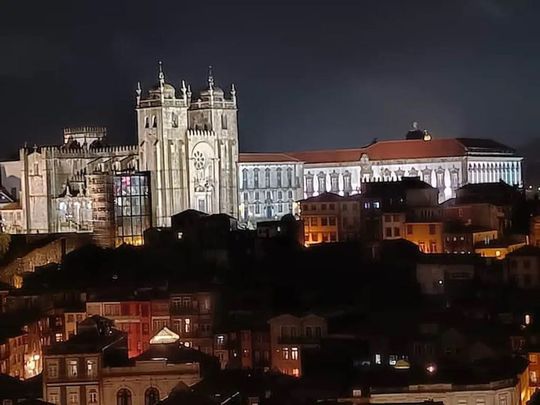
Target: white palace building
<point x="187" y="157"/>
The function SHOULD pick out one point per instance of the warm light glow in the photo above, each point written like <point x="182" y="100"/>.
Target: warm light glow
<point x="431" y="368"/>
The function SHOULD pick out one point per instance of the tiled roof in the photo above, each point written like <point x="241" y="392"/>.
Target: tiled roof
<point x="388" y="150"/>
<point x="328" y="156"/>
<point x="266" y="157"/>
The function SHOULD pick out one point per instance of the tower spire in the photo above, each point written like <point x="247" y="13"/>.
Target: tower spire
<point x="210" y="77"/>
<point x="161" y="76"/>
<point x="139" y="92"/>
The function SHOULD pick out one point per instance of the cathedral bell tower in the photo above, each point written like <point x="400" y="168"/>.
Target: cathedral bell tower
<point x="189" y="144"/>
<point x="162" y="129"/>
<point x="213" y="150"/>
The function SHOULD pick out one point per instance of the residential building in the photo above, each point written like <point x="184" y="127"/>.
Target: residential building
<point x="523" y="267"/>
<point x="428" y="235"/>
<point x="72" y="369"/>
<point x="330" y="217"/>
<point x="192" y="318"/>
<point x="445" y="275"/>
<point x="131" y="316"/>
<point x="289" y="335"/>
<point x="504" y="381"/>
<point x="459" y="238"/>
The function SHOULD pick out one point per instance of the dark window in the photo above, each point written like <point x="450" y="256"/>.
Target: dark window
<point x="396" y="231"/>
<point x="388" y="232"/>
<point x="123" y="397"/>
<point x="388" y="218"/>
<point x="432" y="229"/>
<point x="323" y="207"/>
<point x="324" y="221"/>
<point x="151" y="396"/>
<point x="409" y="230"/>
<point x="332" y="221"/>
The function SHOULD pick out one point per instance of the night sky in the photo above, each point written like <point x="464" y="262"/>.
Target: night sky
<point x="309" y="74"/>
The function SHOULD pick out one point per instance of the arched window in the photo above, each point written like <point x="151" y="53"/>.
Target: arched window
<point x="123" y="397"/>
<point x="151" y="396"/>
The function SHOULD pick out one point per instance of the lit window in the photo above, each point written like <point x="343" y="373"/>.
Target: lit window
<point x="58" y="337"/>
<point x="376" y="204"/>
<point x="73" y="368"/>
<point x="378" y="359"/>
<point x="296" y="372"/>
<point x="92" y="397"/>
<point x="74" y="398"/>
<point x="392" y="360"/>
<point x="180" y="235"/>
<point x="91" y="368"/>
<point x="285" y="353"/>
<point x="294" y="353"/>
<point x="220" y="339"/>
<point x="534" y="377"/>
<point x="187" y="325"/>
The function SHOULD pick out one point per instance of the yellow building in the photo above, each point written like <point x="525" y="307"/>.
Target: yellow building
<point x="427" y="235"/>
<point x="330" y="217"/>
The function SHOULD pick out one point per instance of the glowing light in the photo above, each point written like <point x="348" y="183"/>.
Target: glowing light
<point x="431" y="368"/>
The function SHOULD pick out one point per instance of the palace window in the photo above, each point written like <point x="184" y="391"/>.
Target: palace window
<point x="347" y="187"/>
<point x="256" y="178"/>
<point x="322" y="182"/>
<point x="267" y="177"/>
<point x="289" y="177"/>
<point x="244" y="179"/>
<point x="309" y="184"/>
<point x="294" y="353"/>
<point x="334" y="182"/>
<point x="278" y="176"/>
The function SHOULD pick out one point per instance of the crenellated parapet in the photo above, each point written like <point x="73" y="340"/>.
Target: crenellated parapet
<point x="201" y="133"/>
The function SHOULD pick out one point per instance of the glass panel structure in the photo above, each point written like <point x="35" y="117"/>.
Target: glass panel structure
<point x="132" y="207"/>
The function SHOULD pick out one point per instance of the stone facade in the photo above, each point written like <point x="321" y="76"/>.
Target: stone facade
<point x="190" y="147"/>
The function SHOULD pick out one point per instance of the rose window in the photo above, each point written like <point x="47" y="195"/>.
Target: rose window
<point x="198" y="159"/>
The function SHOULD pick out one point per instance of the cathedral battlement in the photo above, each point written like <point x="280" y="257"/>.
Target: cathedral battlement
<point x="200" y="133"/>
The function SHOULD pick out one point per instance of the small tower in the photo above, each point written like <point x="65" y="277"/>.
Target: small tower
<point x="162" y="127"/>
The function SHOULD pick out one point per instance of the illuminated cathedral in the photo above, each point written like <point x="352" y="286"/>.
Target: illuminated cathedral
<point x="187" y="157"/>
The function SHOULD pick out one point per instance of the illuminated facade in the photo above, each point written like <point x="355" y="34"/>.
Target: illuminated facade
<point x="132" y="207"/>
<point x="445" y="164"/>
<point x="189" y="144"/>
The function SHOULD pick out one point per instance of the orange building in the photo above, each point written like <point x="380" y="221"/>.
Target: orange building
<point x="330" y="217"/>
<point x="289" y="335"/>
<point x="427" y="235"/>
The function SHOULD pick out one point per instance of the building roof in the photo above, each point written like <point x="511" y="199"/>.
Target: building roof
<point x="457" y="376"/>
<point x="527" y="250"/>
<point x="324" y="197"/>
<point x="94" y="335"/>
<point x="173" y="353"/>
<point x="266" y="157"/>
<point x="389" y="150"/>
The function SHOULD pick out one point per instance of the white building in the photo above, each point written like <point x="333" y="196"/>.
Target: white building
<point x="446" y="164"/>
